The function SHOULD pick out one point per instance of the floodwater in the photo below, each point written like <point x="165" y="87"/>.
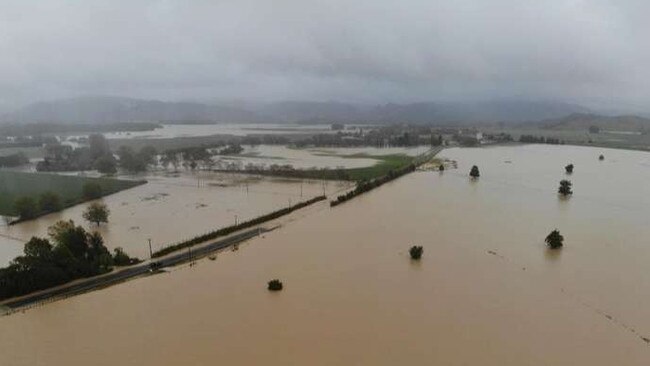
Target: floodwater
<point x="487" y="291"/>
<point x="235" y="129"/>
<point x="266" y="155"/>
<point x="171" y="208"/>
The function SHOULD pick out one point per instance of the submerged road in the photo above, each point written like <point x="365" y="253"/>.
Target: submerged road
<point x="94" y="283"/>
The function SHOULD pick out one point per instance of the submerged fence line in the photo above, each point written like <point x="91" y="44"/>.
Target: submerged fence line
<point x="231" y="229"/>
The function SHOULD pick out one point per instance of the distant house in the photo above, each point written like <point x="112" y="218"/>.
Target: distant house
<point x="469" y="137"/>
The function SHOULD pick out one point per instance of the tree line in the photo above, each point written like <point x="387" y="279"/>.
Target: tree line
<point x="68" y="254"/>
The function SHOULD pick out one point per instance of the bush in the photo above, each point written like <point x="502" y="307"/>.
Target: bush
<point x="275" y="285"/>
<point x="569" y="168"/>
<point x="474" y="173"/>
<point x="565" y="188"/>
<point x="50" y="202"/>
<point x="120" y="258"/>
<point x="92" y="190"/>
<point x="416" y="252"/>
<point x="554" y="240"/>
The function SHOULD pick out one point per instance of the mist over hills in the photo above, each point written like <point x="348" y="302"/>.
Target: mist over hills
<point x="100" y="110"/>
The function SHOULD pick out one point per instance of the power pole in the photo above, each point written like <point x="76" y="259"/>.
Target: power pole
<point x="150" y="251"/>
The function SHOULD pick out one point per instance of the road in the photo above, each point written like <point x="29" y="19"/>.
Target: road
<point x="94" y="283"/>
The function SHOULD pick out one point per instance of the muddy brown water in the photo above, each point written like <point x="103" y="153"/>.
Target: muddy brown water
<point x="487" y="291"/>
<point x="171" y="208"/>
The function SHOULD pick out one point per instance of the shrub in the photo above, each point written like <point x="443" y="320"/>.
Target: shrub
<point x="416" y="252"/>
<point x="275" y="285"/>
<point x="554" y="240"/>
<point x="474" y="173"/>
<point x="565" y="188"/>
<point x="569" y="168"/>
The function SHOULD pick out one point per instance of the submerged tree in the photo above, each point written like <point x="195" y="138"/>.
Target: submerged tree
<point x="474" y="173"/>
<point x="96" y="212"/>
<point x="601" y="157"/>
<point x="441" y="167"/>
<point x="554" y="240"/>
<point x="275" y="285"/>
<point x="569" y="168"/>
<point x="565" y="188"/>
<point x="416" y="252"/>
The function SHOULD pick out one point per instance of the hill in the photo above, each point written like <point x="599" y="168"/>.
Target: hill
<point x="582" y="121"/>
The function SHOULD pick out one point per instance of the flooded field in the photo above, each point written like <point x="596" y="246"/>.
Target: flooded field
<point x="487" y="291"/>
<point x="266" y="155"/>
<point x="235" y="129"/>
<point x="171" y="208"/>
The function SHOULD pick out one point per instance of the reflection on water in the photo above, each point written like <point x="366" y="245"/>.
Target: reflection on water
<point x="485" y="293"/>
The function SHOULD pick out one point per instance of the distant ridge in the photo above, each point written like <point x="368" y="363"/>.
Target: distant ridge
<point x="582" y="121"/>
<point x="118" y="110"/>
<point x="101" y="110"/>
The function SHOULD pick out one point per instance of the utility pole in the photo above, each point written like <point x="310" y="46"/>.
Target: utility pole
<point x="235" y="220"/>
<point x="150" y="251"/>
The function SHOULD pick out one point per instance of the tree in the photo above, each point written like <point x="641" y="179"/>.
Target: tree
<point x="601" y="157"/>
<point x="594" y="129"/>
<point x="554" y="240"/>
<point x="98" y="146"/>
<point x="569" y="168"/>
<point x="275" y="285"/>
<point x="474" y="173"/>
<point x="120" y="258"/>
<point x="106" y="164"/>
<point x="50" y="202"/>
<point x="416" y="252"/>
<point x="97" y="212"/>
<point x="92" y="190"/>
<point x="26" y="208"/>
<point x="131" y="161"/>
<point x="441" y="167"/>
<point x="565" y="187"/>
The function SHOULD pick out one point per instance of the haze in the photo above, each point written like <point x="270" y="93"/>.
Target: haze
<point x="371" y="51"/>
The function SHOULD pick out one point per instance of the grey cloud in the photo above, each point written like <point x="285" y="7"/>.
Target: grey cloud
<point x="365" y="50"/>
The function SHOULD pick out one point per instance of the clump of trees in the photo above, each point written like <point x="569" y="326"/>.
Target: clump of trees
<point x="137" y="162"/>
<point x="120" y="258"/>
<point x="565" y="188"/>
<point x="474" y="173"/>
<point x="554" y="240"/>
<point x="96" y="212"/>
<point x="569" y="168"/>
<point x="28" y="207"/>
<point x="540" y="140"/>
<point x="416" y="252"/>
<point x="68" y="254"/>
<point x="25" y="207"/>
<point x="50" y="202"/>
<point x="13" y="160"/>
<point x="97" y="155"/>
<point x="275" y="285"/>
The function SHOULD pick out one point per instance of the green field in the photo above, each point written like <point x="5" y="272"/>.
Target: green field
<point x="14" y="185"/>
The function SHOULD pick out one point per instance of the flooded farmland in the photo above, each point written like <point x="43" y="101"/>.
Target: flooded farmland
<point x="173" y="207"/>
<point x="487" y="291"/>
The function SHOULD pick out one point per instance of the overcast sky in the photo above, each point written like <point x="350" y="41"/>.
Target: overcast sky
<point x="363" y="50"/>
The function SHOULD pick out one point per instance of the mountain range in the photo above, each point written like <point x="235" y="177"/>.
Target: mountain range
<point x="101" y="109"/>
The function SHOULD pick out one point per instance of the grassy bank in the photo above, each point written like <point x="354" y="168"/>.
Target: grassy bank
<point x="231" y="229"/>
<point x="385" y="164"/>
<point x="14" y="185"/>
